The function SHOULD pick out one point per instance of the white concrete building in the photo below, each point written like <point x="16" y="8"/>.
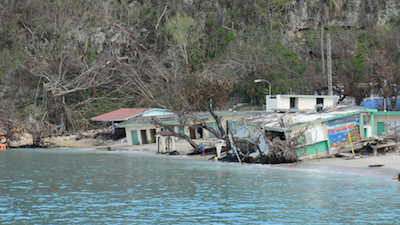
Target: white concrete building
<point x="300" y="102"/>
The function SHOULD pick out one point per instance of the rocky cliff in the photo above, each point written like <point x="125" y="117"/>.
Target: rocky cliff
<point x="298" y="15"/>
<point x="303" y="15"/>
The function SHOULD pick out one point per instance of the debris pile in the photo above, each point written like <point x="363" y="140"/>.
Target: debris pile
<point x="279" y="151"/>
<point x="372" y="146"/>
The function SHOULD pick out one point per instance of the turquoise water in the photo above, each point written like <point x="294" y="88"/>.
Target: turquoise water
<point x="42" y="186"/>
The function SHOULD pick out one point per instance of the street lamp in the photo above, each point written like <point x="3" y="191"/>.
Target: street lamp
<point x="269" y="90"/>
<point x="261" y="80"/>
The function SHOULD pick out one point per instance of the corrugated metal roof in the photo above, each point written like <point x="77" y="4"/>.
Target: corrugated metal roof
<point x="120" y="114"/>
<point x="140" y="120"/>
<point x="294" y="119"/>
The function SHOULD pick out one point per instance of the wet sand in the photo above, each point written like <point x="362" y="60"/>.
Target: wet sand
<point x="360" y="166"/>
<point x="383" y="167"/>
<point x="390" y="162"/>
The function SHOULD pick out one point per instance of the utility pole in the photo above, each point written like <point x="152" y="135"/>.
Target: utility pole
<point x="322" y="49"/>
<point x="329" y="64"/>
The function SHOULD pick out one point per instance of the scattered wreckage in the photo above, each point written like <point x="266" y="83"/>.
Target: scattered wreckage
<point x="281" y="151"/>
<point x="293" y="136"/>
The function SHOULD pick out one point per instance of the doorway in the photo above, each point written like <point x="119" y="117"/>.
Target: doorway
<point x="143" y="133"/>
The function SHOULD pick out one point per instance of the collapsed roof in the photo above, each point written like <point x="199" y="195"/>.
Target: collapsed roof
<point x="284" y="120"/>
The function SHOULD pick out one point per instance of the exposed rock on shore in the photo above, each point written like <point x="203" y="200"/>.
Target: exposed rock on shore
<point x="85" y="139"/>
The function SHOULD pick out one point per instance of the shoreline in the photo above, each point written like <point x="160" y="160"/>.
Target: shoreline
<point x="359" y="166"/>
<point x="390" y="166"/>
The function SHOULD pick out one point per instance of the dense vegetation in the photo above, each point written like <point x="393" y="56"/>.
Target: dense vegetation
<point x="64" y="61"/>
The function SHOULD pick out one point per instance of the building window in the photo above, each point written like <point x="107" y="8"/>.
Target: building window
<point x="293" y="103"/>
<point x="320" y="101"/>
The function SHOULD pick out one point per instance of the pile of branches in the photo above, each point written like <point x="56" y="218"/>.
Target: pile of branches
<point x="10" y="131"/>
<point x="285" y="151"/>
<point x="280" y="151"/>
<point x="41" y="132"/>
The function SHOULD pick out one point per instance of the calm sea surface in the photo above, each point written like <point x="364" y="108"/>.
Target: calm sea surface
<point x="43" y="186"/>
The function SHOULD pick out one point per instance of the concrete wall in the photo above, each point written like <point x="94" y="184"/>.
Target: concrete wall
<point x="313" y="133"/>
<point x="328" y="102"/>
<point x="271" y="103"/>
<point x="282" y="103"/>
<point x="139" y="135"/>
<point x="394" y="123"/>
<point x="303" y="102"/>
<point x="307" y="103"/>
<point x="316" y="140"/>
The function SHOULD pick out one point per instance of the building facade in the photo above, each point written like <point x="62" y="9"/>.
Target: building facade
<point x="141" y="130"/>
<point x="299" y="102"/>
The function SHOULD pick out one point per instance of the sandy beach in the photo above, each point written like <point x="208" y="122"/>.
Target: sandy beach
<point x="389" y="163"/>
<point x="381" y="166"/>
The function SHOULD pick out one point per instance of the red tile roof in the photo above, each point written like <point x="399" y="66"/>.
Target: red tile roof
<point x="120" y="114"/>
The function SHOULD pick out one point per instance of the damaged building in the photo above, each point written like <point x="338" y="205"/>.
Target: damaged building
<point x="317" y="134"/>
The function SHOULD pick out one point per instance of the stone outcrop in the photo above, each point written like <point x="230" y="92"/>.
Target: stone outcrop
<point x="303" y="15"/>
<point x="297" y="16"/>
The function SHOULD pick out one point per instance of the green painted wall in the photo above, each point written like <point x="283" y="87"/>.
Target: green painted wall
<point x="135" y="140"/>
<point x="181" y="130"/>
<point x="310" y="149"/>
<point x="380" y="128"/>
<point x="363" y="134"/>
<point x="211" y="125"/>
<point x="372" y="125"/>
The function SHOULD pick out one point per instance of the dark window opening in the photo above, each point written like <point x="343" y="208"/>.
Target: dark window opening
<point x="273" y="134"/>
<point x="320" y="101"/>
<point x="293" y="103"/>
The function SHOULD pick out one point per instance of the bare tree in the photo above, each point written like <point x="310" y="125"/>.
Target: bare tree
<point x="384" y="75"/>
<point x="10" y="127"/>
<point x="254" y="56"/>
<point x="180" y="92"/>
<point x="63" y="77"/>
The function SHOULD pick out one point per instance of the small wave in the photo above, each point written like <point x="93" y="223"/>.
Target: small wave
<point x="310" y="170"/>
<point x="86" y="149"/>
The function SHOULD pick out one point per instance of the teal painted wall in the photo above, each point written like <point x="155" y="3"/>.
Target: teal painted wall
<point x="211" y="125"/>
<point x="310" y="149"/>
<point x="135" y="140"/>
<point x="380" y="128"/>
<point x="181" y="129"/>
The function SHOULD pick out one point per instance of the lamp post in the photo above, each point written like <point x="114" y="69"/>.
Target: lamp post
<point x="269" y="90"/>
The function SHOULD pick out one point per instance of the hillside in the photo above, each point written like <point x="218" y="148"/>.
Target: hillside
<point x="65" y="61"/>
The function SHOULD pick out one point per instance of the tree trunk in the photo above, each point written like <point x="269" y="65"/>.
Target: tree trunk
<point x="219" y="123"/>
<point x="157" y="122"/>
<point x="207" y="127"/>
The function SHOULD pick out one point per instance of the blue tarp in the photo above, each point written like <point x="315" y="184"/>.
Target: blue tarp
<point x="378" y="104"/>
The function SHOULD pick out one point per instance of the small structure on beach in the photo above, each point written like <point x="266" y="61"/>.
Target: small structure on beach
<point x="165" y="142"/>
<point x="120" y="115"/>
